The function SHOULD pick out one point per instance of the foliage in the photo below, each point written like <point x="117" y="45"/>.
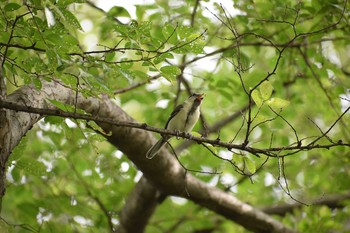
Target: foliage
<point x="286" y="61"/>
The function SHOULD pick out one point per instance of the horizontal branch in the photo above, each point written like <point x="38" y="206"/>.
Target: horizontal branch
<point x="24" y="47"/>
<point x="214" y="142"/>
<point x="332" y="201"/>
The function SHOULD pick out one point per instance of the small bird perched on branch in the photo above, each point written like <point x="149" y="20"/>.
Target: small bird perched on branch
<point x="182" y="119"/>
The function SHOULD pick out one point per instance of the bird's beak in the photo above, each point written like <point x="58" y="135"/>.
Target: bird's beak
<point x="200" y="97"/>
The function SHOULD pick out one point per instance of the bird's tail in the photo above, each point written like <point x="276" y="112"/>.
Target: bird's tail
<point x="155" y="148"/>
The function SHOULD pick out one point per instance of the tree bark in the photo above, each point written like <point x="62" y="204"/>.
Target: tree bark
<point x="163" y="172"/>
<point x="138" y="208"/>
<point x="13" y="126"/>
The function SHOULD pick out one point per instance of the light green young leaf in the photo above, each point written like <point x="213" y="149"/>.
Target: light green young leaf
<point x="244" y="60"/>
<point x="196" y="47"/>
<point x="257" y="98"/>
<point x="58" y="104"/>
<point x="118" y="11"/>
<point x="162" y="57"/>
<point x="266" y="90"/>
<point x="184" y="31"/>
<point x="52" y="57"/>
<point x="99" y="137"/>
<point x="110" y="56"/>
<point x="260" y="118"/>
<point x="249" y="165"/>
<point x="211" y="147"/>
<point x="278" y="103"/>
<point x="17" y="152"/>
<point x="64" y="3"/>
<point x="169" y="33"/>
<point x="71" y="19"/>
<point x="97" y="128"/>
<point x="54" y="120"/>
<point x="37" y="83"/>
<point x="236" y="159"/>
<point x="196" y="134"/>
<point x="170" y="72"/>
<point x="65" y="107"/>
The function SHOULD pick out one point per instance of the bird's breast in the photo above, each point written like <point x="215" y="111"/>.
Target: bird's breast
<point x="183" y="121"/>
<point x="191" y="121"/>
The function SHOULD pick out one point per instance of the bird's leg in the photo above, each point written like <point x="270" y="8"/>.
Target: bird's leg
<point x="177" y="132"/>
<point x="190" y="136"/>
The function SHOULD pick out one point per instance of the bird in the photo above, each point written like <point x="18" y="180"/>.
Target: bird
<point x="182" y="119"/>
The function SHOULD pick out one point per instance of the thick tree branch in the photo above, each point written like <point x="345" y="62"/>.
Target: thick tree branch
<point x="164" y="172"/>
<point x="13" y="126"/>
<point x="4" y="134"/>
<point x="138" y="207"/>
<point x="2" y="83"/>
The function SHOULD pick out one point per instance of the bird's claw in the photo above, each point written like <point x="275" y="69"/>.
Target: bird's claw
<point x="177" y="133"/>
<point x="190" y="136"/>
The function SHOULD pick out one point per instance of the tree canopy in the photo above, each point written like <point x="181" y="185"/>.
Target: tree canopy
<point x="86" y="90"/>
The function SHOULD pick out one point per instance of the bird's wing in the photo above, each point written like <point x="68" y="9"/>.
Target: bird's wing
<point x="176" y="110"/>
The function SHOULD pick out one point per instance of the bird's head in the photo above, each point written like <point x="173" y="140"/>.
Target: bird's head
<point x="195" y="98"/>
<point x="198" y="97"/>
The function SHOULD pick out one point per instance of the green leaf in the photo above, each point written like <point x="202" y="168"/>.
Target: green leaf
<point x="162" y="57"/>
<point x="257" y="98"/>
<point x="58" y="104"/>
<point x="123" y="30"/>
<point x="278" y="103"/>
<point x="37" y="83"/>
<point x="110" y="56"/>
<point x="140" y="74"/>
<point x="244" y="61"/>
<point x="99" y="137"/>
<point x="69" y="79"/>
<point x="227" y="94"/>
<point x="126" y="65"/>
<point x="196" y="44"/>
<point x="31" y="166"/>
<point x="118" y="11"/>
<point x="12" y="7"/>
<point x="169" y="33"/>
<point x="210" y="146"/>
<point x="249" y="165"/>
<point x="196" y="48"/>
<point x="170" y="72"/>
<point x="184" y="31"/>
<point x="55" y="120"/>
<point x="97" y="128"/>
<point x="17" y="152"/>
<point x="260" y="118"/>
<point x="71" y="19"/>
<point x="266" y="90"/>
<point x="168" y="30"/>
<point x="52" y="57"/>
<point x="61" y="106"/>
<point x="237" y="159"/>
<point x="196" y="134"/>
<point x="64" y="3"/>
